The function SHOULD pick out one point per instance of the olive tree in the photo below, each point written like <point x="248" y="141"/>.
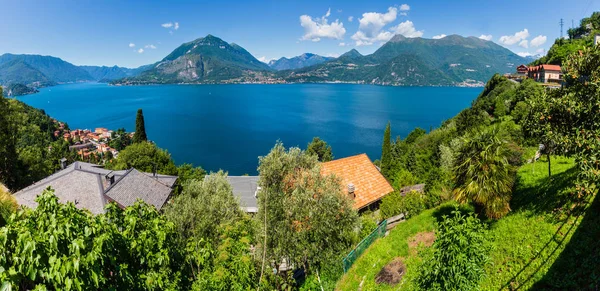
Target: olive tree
<point x="305" y="217"/>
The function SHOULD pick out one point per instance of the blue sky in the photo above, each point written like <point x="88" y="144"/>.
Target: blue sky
<point x="134" y="33"/>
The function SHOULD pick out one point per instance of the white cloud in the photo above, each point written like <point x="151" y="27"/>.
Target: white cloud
<point x="403" y="13"/>
<point x="524" y="54"/>
<point x="167" y="25"/>
<point x="540" y="51"/>
<point x="131" y="44"/>
<point x="265" y="59"/>
<point x="140" y="51"/>
<point x="407" y="29"/>
<point x="176" y="26"/>
<point x="150" y="46"/>
<point x="524" y="44"/>
<point x="513" y="39"/>
<point x="350" y="18"/>
<point x="333" y="55"/>
<point x="538" y="40"/>
<point x="486" y="37"/>
<point x="439" y="36"/>
<point x="320" y="28"/>
<point x="404" y="7"/>
<point x="342" y="44"/>
<point x="371" y="25"/>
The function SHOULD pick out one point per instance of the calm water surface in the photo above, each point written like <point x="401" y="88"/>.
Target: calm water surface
<point x="228" y="126"/>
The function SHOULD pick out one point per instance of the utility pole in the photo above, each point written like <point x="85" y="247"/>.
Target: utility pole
<point x="562" y="22"/>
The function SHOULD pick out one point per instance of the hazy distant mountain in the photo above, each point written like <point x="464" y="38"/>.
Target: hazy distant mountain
<point x="36" y="69"/>
<point x="40" y="71"/>
<point x="204" y="60"/>
<point x="298" y="62"/>
<point x="104" y="73"/>
<point x="416" y="61"/>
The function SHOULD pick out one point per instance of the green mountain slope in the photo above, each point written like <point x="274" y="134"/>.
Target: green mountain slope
<point x="416" y="62"/>
<point x="16" y="71"/>
<point x="54" y="69"/>
<point x="207" y="59"/>
<point x="301" y="61"/>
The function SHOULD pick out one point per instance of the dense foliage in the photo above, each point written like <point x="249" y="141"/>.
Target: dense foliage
<point x="321" y="149"/>
<point x="304" y="217"/>
<point x="58" y="246"/>
<point x="410" y="205"/>
<point x="458" y="256"/>
<point x="483" y="173"/>
<point x="140" y="128"/>
<point x="28" y="149"/>
<point x="145" y="157"/>
<point x="386" y="151"/>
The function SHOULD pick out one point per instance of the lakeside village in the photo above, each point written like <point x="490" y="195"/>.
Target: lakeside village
<point x="88" y="143"/>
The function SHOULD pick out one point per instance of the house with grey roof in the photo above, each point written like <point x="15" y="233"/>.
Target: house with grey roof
<point x="91" y="187"/>
<point x="246" y="189"/>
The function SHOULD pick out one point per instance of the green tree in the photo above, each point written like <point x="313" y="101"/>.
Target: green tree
<point x="187" y="172"/>
<point x="120" y="140"/>
<point x="201" y="206"/>
<point x="567" y="118"/>
<point x="8" y="152"/>
<point x="146" y="157"/>
<point x="320" y="148"/>
<point x="386" y="151"/>
<point x="483" y="173"/>
<point x="59" y="247"/>
<point x="140" y="128"/>
<point x="304" y="217"/>
<point x="458" y="255"/>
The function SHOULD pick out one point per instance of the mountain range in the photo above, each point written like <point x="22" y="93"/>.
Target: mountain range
<point x="417" y="61"/>
<point x="301" y="61"/>
<point x="41" y="71"/>
<point x="450" y="61"/>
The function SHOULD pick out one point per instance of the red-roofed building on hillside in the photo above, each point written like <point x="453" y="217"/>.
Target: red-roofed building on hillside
<point x="361" y="180"/>
<point x="545" y="73"/>
<point x="522" y="70"/>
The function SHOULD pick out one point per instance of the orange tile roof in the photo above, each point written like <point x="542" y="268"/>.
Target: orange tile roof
<point x="369" y="184"/>
<point x="550" y="67"/>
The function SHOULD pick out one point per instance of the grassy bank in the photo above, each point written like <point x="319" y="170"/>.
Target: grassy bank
<point x="546" y="241"/>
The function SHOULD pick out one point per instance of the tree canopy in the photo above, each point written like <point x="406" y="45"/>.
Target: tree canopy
<point x="140" y="128"/>
<point x="320" y="148"/>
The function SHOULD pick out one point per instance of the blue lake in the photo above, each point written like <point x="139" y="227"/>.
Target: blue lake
<point x="228" y="126"/>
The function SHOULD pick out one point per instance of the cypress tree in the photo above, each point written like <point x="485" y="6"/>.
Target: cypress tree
<point x="140" y="128"/>
<point x="386" y="151"/>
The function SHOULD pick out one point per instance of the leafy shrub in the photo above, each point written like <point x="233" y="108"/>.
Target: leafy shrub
<point x="458" y="256"/>
<point x="367" y="225"/>
<point x="393" y="204"/>
<point x="8" y="205"/>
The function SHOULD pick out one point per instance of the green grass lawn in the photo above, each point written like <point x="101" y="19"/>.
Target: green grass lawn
<point x="547" y="241"/>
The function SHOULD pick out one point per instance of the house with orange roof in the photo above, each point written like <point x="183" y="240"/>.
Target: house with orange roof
<point x="545" y="73"/>
<point x="360" y="179"/>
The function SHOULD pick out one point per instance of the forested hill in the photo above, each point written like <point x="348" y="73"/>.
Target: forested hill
<point x="416" y="61"/>
<point x="36" y="71"/>
<point x="578" y="38"/>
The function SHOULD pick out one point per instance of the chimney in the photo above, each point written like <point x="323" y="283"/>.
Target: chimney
<point x="351" y="191"/>
<point x="63" y="163"/>
<point x="110" y="178"/>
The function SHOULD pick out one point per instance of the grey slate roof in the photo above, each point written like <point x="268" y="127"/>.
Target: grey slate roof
<point x="85" y="185"/>
<point x="245" y="187"/>
<point x="137" y="185"/>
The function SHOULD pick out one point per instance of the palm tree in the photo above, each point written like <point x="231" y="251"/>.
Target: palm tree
<point x="483" y="173"/>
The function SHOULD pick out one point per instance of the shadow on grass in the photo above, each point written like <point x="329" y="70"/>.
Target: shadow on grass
<point x="550" y="195"/>
<point x="578" y="265"/>
<point x="559" y="237"/>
